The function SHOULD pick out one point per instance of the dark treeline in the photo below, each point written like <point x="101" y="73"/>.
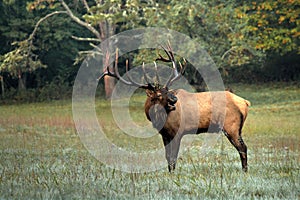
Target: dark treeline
<point x="250" y="42"/>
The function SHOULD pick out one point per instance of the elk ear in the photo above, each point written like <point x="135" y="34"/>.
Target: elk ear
<point x="149" y="92"/>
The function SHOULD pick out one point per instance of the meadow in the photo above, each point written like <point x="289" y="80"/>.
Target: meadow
<point x="42" y="157"/>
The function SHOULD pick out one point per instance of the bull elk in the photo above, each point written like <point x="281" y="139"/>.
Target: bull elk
<point x="175" y="113"/>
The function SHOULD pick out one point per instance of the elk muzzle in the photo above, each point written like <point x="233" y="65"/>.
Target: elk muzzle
<point x="172" y="99"/>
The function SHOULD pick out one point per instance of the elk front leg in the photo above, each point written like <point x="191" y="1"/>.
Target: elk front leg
<point x="171" y="148"/>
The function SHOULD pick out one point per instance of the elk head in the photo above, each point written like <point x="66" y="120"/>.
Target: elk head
<point x="159" y="103"/>
<point x="160" y="100"/>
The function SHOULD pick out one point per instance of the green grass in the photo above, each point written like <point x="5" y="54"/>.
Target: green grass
<point x="41" y="156"/>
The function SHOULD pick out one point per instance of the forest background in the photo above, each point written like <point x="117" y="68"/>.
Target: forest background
<point x="44" y="42"/>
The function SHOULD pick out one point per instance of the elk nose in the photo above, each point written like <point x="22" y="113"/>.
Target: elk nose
<point x="172" y="99"/>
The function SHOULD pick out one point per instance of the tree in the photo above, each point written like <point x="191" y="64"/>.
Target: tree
<point x="15" y="23"/>
<point x="42" y="49"/>
<point x="101" y="18"/>
<point x="19" y="61"/>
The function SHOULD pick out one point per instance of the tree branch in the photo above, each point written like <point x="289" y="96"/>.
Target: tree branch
<point x="86" y="39"/>
<point x="79" y="21"/>
<point x="96" y="47"/>
<point x="40" y="21"/>
<point x="90" y="52"/>
<point x="228" y="51"/>
<point x="86" y="5"/>
<point x="31" y="37"/>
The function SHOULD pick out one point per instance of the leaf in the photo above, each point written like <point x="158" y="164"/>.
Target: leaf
<point x="281" y="19"/>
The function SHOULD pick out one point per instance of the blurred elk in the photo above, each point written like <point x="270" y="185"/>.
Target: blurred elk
<point x="175" y="113"/>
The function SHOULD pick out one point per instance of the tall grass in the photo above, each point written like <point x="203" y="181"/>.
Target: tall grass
<point x="41" y="156"/>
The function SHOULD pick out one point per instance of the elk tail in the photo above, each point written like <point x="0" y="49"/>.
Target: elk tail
<point x="247" y="102"/>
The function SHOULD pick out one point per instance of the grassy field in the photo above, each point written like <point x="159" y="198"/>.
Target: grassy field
<point x="42" y="157"/>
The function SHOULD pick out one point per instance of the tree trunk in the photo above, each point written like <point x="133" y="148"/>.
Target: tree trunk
<point x="21" y="82"/>
<point x="109" y="83"/>
<point x="106" y="31"/>
<point x="2" y="86"/>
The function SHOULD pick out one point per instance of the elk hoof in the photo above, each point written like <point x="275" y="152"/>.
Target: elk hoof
<point x="171" y="167"/>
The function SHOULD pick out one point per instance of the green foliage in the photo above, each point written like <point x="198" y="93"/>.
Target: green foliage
<point x="274" y="25"/>
<point x="17" y="56"/>
<point x="9" y="2"/>
<point x="56" y="90"/>
<point x="246" y="34"/>
<point x="256" y="41"/>
<point x="42" y="4"/>
<point x="18" y="96"/>
<point x="109" y="10"/>
<point x="117" y="13"/>
<point x="212" y="24"/>
<point x="15" y="23"/>
<point x="50" y="46"/>
<point x="20" y="60"/>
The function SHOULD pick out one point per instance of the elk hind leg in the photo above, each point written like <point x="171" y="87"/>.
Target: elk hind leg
<point x="238" y="143"/>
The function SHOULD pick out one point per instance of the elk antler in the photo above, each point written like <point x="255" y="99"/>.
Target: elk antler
<point x="175" y="75"/>
<point x="116" y="74"/>
<point x="156" y="73"/>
